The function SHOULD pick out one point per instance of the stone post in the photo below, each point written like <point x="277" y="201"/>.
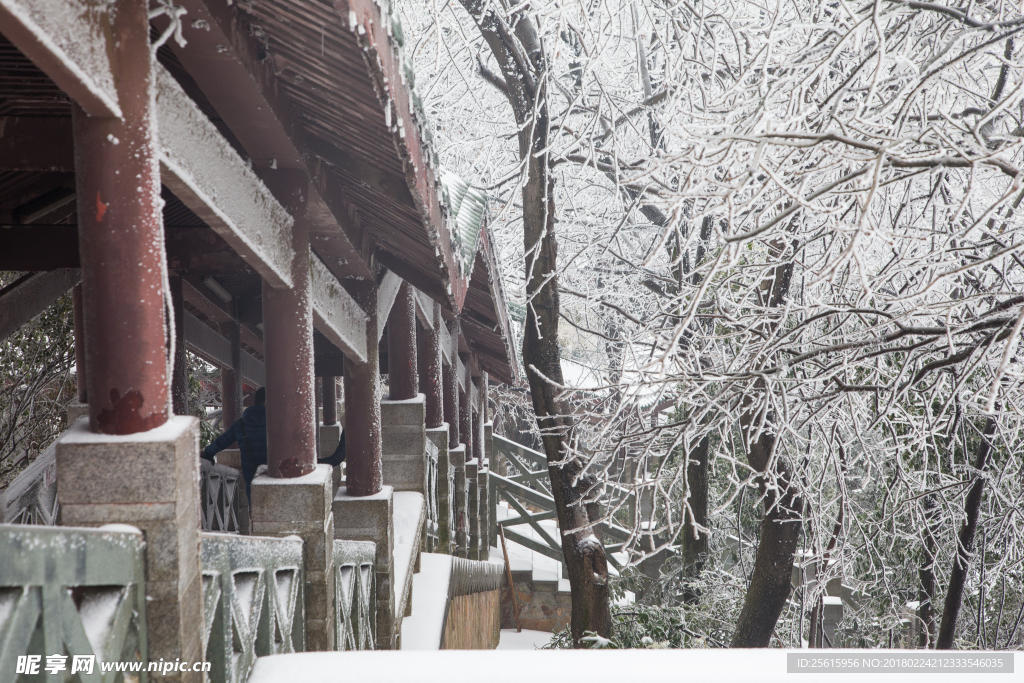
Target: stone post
<point x="473" y="509"/>
<point x="445" y="488"/>
<point x="303" y="506"/>
<point x="150" y="482"/>
<point x="457" y="459"/>
<point x="404" y="443"/>
<point x="493" y="461"/>
<point x="484" y="513"/>
<point x="371" y="518"/>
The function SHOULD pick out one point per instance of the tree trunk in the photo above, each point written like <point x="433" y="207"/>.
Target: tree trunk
<point x="965" y="542"/>
<point x="771" y="580"/>
<point x="926" y="574"/>
<point x="517" y="49"/>
<point x="695" y="543"/>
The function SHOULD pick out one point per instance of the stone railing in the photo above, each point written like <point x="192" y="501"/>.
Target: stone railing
<point x="218" y="501"/>
<point x="430" y="494"/>
<point x="32" y="497"/>
<point x="252" y="601"/>
<point x="75" y="591"/>
<point x="355" y="604"/>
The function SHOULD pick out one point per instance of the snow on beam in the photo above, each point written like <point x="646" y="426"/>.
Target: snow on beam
<point x="424" y="309"/>
<point x="336" y="314"/>
<point x="209" y="177"/>
<point x="28" y="296"/>
<point x="387" y="291"/>
<point x="69" y="40"/>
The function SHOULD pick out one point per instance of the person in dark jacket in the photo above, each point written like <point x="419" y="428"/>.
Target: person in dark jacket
<point x="250" y="432"/>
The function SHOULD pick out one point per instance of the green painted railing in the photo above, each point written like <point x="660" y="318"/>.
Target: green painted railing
<point x="252" y="601"/>
<point x="74" y="591"/>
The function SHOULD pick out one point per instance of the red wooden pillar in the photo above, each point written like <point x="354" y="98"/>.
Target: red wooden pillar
<point x="363" y="443"/>
<point x="402" y="375"/>
<point x="231" y="377"/>
<point x="288" y="345"/>
<point x="179" y="374"/>
<point x="466" y="410"/>
<point x="451" y="389"/>
<point x="121" y="242"/>
<point x="478" y="427"/>
<point x="428" y="342"/>
<point x="76" y="307"/>
<point x="329" y="393"/>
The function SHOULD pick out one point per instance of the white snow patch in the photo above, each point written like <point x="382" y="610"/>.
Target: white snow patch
<point x="409" y="511"/>
<point x="425" y="627"/>
<point x="317" y="476"/>
<point x="527" y="640"/>
<point x="715" y="665"/>
<point x="168" y="431"/>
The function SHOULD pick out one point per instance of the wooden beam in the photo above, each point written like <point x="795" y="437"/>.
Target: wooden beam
<point x="424" y="309"/>
<point x="30" y="248"/>
<point x="30" y="295"/>
<point x="36" y="144"/>
<point x="208" y="176"/>
<point x="70" y="41"/>
<point x="226" y="63"/>
<point x="336" y="314"/>
<point x="207" y="343"/>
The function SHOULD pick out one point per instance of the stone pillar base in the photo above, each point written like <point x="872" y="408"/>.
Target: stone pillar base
<point x="445" y="489"/>
<point x="372" y="518"/>
<point x="404" y="440"/>
<point x="460" y="510"/>
<point x="149" y="480"/>
<point x="302" y="506"/>
<point x="75" y="411"/>
<point x="473" y="509"/>
<point x="330" y="437"/>
<point x="485" y="514"/>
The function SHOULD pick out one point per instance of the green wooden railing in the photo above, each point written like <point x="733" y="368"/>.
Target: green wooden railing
<point x="74" y="591"/>
<point x="528" y="492"/>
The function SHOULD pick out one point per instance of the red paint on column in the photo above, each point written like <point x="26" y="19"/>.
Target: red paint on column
<point x="121" y="242"/>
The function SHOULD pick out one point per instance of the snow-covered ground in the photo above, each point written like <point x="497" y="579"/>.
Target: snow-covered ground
<point x="527" y="640"/>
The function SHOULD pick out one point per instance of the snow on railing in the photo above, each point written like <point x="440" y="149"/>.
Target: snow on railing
<point x="64" y="589"/>
<point x="32" y="497"/>
<point x="355" y="604"/>
<point x="252" y="601"/>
